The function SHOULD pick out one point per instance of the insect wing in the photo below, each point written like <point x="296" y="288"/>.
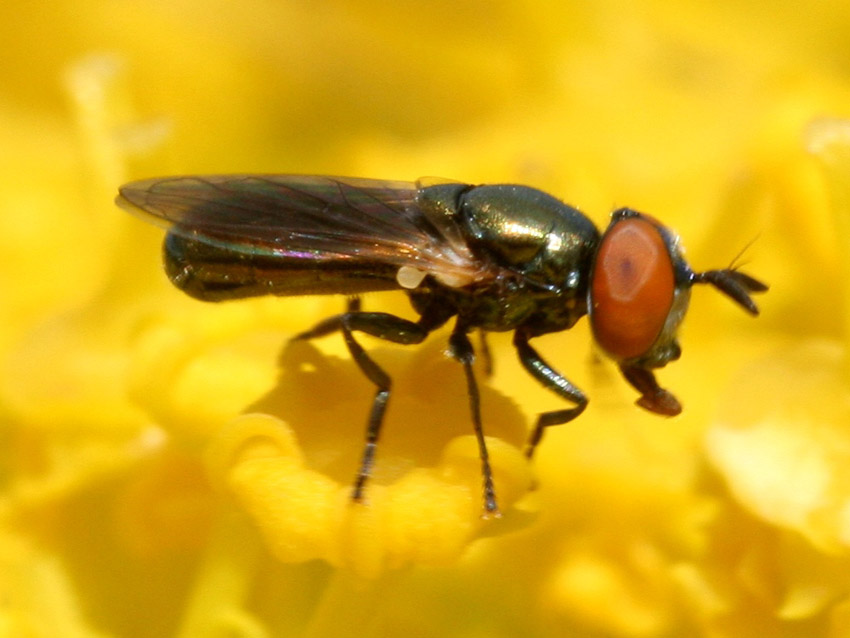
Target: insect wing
<point x="314" y="218"/>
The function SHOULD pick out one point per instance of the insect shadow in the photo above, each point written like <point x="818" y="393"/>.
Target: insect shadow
<point x="316" y="394"/>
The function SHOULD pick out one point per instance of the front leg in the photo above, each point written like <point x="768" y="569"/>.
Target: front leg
<point x="549" y="378"/>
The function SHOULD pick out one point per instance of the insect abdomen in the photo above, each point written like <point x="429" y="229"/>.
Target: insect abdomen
<point x="210" y="272"/>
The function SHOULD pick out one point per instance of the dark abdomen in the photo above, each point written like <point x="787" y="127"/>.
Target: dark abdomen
<point x="216" y="273"/>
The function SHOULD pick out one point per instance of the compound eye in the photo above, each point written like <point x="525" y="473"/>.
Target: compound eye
<point x="632" y="288"/>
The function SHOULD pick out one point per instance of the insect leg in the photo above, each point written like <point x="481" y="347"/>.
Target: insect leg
<point x="384" y="326"/>
<point x="549" y="378"/>
<point x="485" y="354"/>
<point x="461" y="349"/>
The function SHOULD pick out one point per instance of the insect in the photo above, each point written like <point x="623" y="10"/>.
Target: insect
<point x="491" y="258"/>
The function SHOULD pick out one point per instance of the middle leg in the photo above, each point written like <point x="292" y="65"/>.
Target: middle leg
<point x="461" y="349"/>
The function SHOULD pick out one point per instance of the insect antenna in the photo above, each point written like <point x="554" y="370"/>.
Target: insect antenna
<point x="734" y="284"/>
<point x="736" y="262"/>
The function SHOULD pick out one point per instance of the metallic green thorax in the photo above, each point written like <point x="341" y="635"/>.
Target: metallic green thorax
<point x="542" y="248"/>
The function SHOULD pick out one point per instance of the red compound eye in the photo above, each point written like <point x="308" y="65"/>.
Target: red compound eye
<point x="632" y="286"/>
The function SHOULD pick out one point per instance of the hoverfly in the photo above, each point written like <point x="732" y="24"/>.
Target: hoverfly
<point x="497" y="257"/>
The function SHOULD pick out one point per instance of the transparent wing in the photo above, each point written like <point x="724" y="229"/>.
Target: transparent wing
<point x="314" y="218"/>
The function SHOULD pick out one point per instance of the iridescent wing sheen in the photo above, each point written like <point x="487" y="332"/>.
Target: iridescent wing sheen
<point x="314" y="218"/>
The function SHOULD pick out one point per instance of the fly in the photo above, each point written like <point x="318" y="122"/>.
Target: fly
<point x="498" y="258"/>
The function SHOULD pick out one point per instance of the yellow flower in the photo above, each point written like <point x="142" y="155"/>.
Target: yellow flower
<point x="177" y="468"/>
